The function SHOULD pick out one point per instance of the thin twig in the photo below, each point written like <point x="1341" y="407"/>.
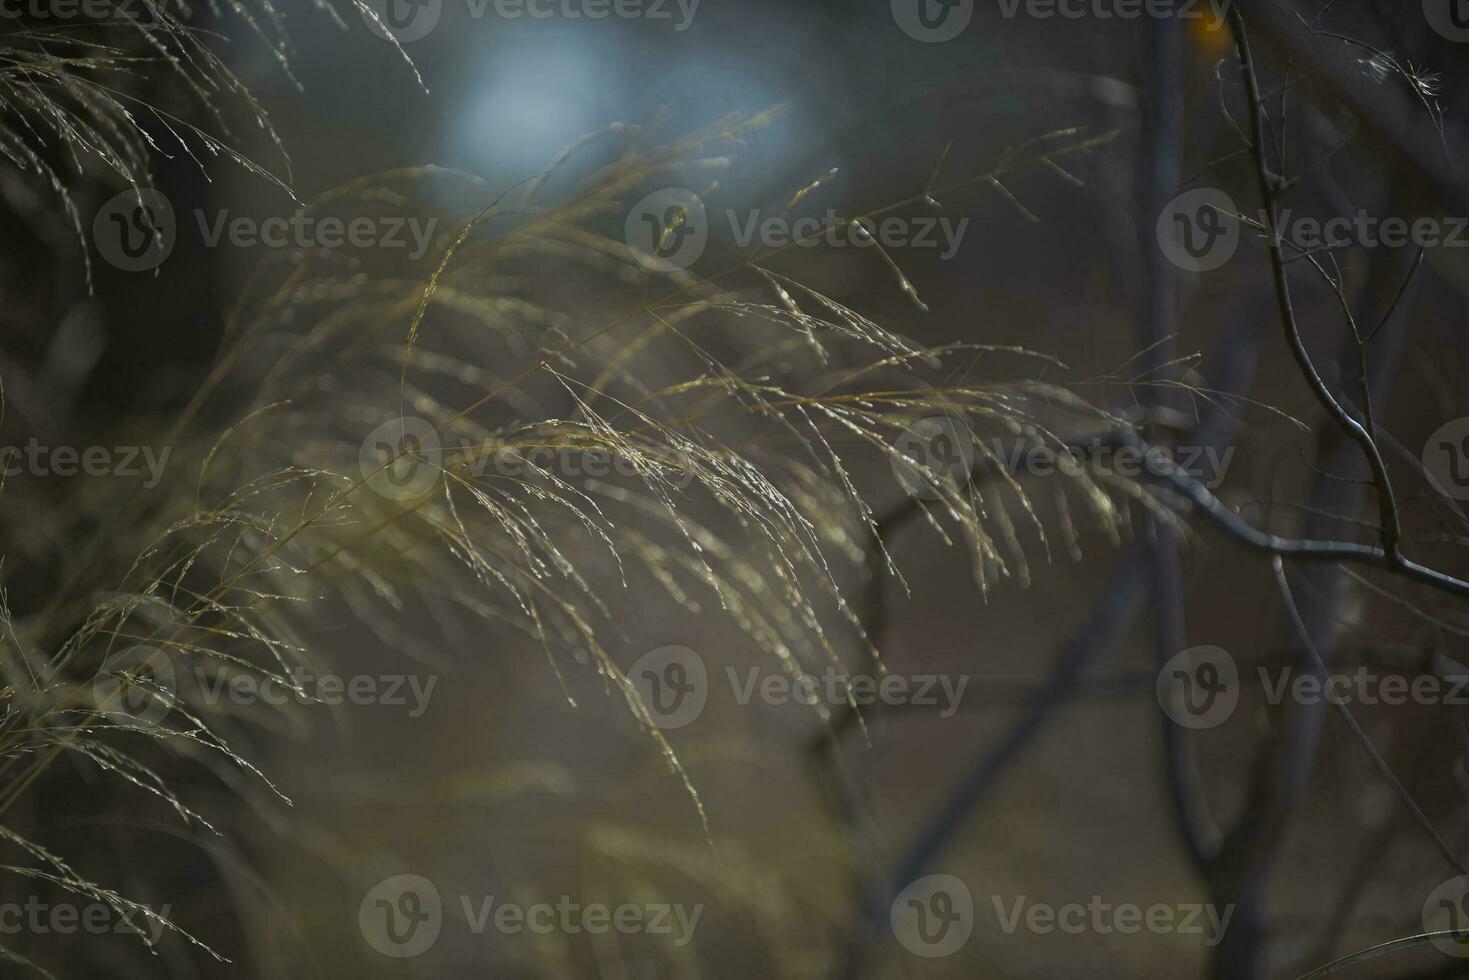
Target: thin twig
<point x="1362" y="737"/>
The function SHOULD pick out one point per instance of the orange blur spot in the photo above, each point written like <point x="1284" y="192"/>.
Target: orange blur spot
<point x="1210" y="33"/>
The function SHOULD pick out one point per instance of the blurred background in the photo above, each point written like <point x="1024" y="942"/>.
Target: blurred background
<point x="1057" y="778"/>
